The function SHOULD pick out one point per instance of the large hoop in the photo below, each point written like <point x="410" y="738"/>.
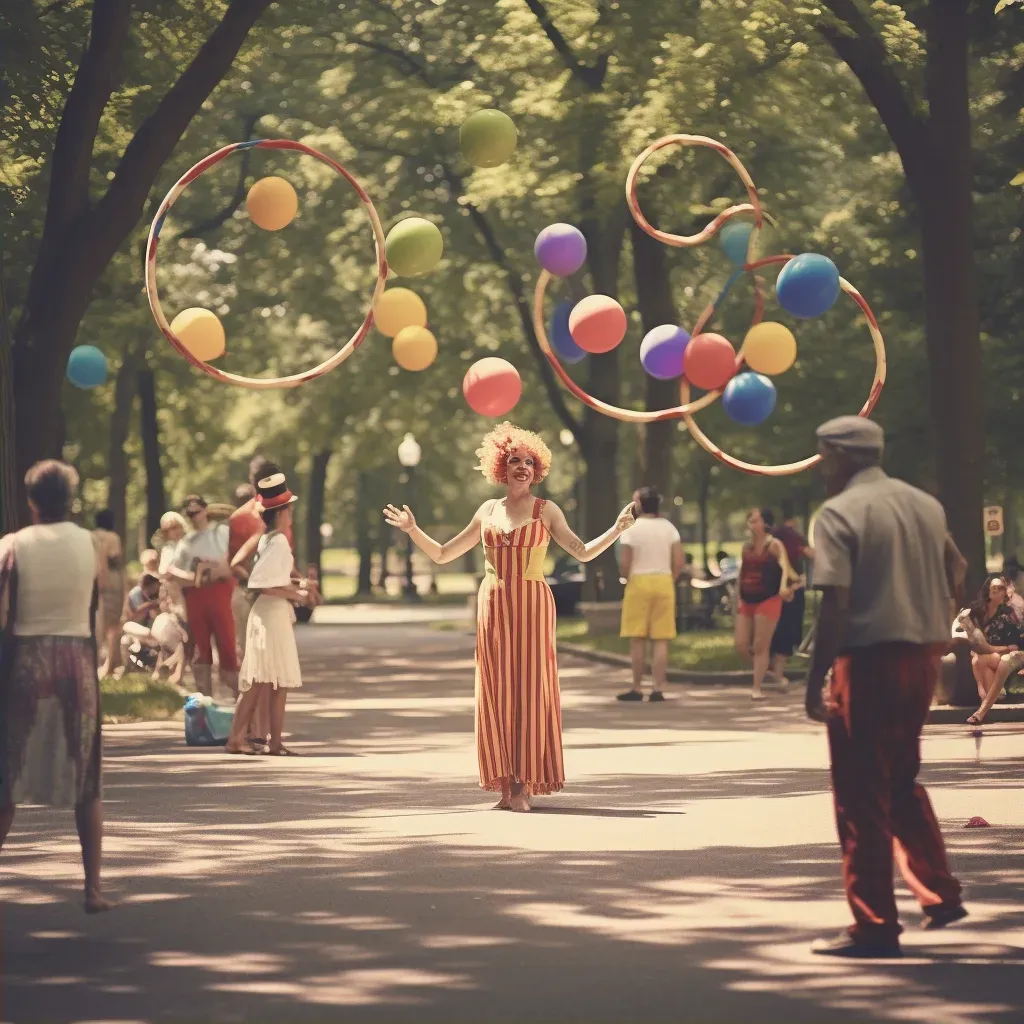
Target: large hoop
<point x="790" y="468"/>
<point x="751" y="265"/>
<point x="152" y="293"/>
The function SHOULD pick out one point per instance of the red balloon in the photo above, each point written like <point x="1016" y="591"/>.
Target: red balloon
<point x="492" y="386"/>
<point x="709" y="361"/>
<point x="597" y="323"/>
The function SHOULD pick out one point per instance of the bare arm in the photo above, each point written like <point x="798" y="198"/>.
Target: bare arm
<point x="404" y="520"/>
<point x="554" y="520"/>
<point x="678" y="560"/>
<point x="625" y="561"/>
<point x="828" y="642"/>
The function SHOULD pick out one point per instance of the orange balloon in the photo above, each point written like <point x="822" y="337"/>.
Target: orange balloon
<point x="597" y="323"/>
<point x="201" y="332"/>
<point x="272" y="203"/>
<point x="414" y="348"/>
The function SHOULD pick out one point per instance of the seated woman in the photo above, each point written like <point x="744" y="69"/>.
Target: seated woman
<point x="996" y="639"/>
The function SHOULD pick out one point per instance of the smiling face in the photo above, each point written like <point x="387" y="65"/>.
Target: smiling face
<point x="521" y="468"/>
<point x="997" y="592"/>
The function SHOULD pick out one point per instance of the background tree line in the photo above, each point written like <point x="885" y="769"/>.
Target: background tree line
<point x="886" y="136"/>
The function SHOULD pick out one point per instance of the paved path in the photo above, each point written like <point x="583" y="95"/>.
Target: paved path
<point x="681" y="875"/>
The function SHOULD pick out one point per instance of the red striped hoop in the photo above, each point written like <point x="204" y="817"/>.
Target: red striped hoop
<point x="262" y="383"/>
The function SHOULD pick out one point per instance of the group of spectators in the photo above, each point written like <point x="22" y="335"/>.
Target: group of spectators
<point x="186" y="600"/>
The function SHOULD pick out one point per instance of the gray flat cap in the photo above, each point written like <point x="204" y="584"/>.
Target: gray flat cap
<point x="852" y="434"/>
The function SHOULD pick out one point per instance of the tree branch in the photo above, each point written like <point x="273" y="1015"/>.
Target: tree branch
<point x="80" y="119"/>
<point x="118" y="210"/>
<point x="204" y="227"/>
<point x="592" y="77"/>
<point x="859" y="46"/>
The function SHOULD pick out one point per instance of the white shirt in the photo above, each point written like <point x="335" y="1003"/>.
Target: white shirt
<point x="209" y="545"/>
<point x="274" y="562"/>
<point x="651" y="541"/>
<point x="886" y="542"/>
<point x="56" y="565"/>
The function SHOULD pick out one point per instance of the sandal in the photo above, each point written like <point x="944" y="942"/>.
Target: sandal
<point x="975" y="720"/>
<point x="247" y="753"/>
<point x="283" y="752"/>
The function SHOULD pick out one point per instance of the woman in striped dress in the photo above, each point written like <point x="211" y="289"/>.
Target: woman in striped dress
<point x="518" y="705"/>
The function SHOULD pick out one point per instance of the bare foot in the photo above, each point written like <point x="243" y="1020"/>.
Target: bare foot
<point x="520" y="802"/>
<point x="504" y="804"/>
<point x="95" y="903"/>
<point x="240" y="750"/>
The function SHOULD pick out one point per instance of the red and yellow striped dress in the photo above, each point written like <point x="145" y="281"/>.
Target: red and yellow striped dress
<point x="518" y="705"/>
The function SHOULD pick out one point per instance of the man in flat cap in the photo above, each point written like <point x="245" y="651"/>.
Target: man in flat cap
<point x="887" y="568"/>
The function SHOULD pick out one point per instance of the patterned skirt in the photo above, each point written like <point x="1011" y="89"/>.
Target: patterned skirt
<point x="50" y="729"/>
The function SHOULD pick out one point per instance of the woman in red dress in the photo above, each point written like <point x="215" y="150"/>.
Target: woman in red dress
<point x="518" y="704"/>
<point x="763" y="570"/>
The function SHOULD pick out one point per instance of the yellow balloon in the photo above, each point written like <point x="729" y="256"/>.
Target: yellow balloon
<point x="398" y="308"/>
<point x="272" y="203"/>
<point x="414" y="348"/>
<point x="769" y="348"/>
<point x="200" y="332"/>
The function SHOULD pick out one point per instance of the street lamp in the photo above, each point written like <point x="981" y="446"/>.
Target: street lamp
<point x="409" y="453"/>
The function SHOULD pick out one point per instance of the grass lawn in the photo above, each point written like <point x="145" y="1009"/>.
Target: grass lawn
<point x="697" y="651"/>
<point x="135" y="698"/>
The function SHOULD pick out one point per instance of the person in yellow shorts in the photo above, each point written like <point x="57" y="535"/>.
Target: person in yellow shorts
<point x="651" y="559"/>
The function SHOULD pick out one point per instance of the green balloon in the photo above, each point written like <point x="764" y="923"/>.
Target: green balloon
<point x="413" y="247"/>
<point x="488" y="138"/>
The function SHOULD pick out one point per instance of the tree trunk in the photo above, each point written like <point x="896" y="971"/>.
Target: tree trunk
<point x="654" y="296"/>
<point x="944" y="191"/>
<point x="383" y="546"/>
<point x="80" y="237"/>
<point x="315" y="510"/>
<point x="703" y="499"/>
<point x="600" y="442"/>
<point x="120" y="426"/>
<point x="8" y="457"/>
<point x="149" y="428"/>
<point x="364" y="537"/>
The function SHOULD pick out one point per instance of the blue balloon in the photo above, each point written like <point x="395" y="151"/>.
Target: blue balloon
<point x="734" y="238"/>
<point x="808" y="285"/>
<point x="561" y="340"/>
<point x="661" y="351"/>
<point x="749" y="399"/>
<point x="87" y="367"/>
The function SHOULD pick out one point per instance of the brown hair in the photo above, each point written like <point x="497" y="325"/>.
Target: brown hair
<point x="51" y="487"/>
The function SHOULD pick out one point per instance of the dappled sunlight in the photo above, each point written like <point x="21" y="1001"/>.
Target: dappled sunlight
<point x="692" y="849"/>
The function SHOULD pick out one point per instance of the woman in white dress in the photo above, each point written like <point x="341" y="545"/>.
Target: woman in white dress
<point x="271" y="656"/>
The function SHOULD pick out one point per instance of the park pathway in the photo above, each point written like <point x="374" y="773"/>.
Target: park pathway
<point x="680" y="877"/>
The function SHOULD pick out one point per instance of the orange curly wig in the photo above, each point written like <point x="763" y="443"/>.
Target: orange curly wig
<point x="505" y="438"/>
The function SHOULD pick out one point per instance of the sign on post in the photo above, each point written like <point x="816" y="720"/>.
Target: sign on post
<point x="993" y="520"/>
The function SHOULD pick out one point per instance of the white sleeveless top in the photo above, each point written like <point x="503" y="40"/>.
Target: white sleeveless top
<point x="56" y="565"/>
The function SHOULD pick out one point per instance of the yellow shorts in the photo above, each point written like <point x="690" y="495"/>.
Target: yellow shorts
<point x="649" y="608"/>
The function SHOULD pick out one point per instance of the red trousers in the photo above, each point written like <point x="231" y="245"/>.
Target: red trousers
<point x="882" y="696"/>
<point x="210" y="615"/>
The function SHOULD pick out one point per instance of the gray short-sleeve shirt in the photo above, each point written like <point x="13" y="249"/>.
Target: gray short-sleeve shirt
<point x="885" y="541"/>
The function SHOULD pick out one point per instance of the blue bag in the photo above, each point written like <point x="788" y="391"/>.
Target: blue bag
<point x="206" y="724"/>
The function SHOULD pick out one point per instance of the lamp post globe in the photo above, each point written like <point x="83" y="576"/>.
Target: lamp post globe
<point x="409" y="453"/>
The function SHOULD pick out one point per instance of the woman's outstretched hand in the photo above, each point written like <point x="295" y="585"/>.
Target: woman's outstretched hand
<point x="627" y="517"/>
<point x="401" y="518"/>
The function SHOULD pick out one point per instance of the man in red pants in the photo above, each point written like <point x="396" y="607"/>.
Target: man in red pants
<point x="201" y="563"/>
<point x="887" y="569"/>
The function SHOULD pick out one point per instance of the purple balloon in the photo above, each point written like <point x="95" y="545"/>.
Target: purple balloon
<point x="661" y="351"/>
<point x="560" y="249"/>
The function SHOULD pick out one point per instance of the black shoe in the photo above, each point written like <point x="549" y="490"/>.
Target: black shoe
<point x="845" y="945"/>
<point x="943" y="914"/>
<point x="655" y="696"/>
<point x="631" y="695"/>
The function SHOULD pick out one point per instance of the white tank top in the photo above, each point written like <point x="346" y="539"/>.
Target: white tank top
<point x="56" y="565"/>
